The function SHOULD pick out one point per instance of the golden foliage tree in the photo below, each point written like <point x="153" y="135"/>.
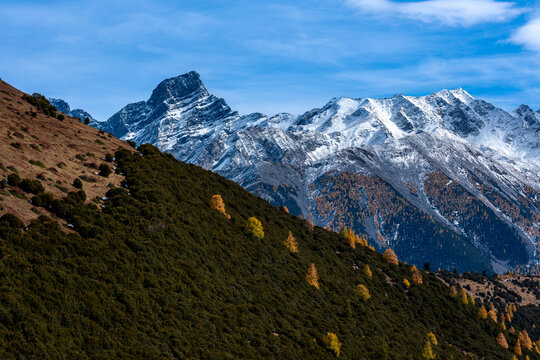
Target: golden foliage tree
<point x="367" y="271"/>
<point x="361" y="240"/>
<point x="517" y="348"/>
<point x="390" y="257"/>
<point x="407" y="283"/>
<point x="331" y="341"/>
<point x="501" y="340"/>
<point x="492" y="315"/>
<point x="482" y="312"/>
<point x="351" y="239"/>
<point x="312" y="277"/>
<point x="217" y="203"/>
<point x="290" y="243"/>
<point x="363" y="292"/>
<point x="431" y="338"/>
<point x="417" y="277"/>
<point x="525" y="340"/>
<point x="463" y="296"/>
<point x="427" y="351"/>
<point x="254" y="227"/>
<point x="453" y="291"/>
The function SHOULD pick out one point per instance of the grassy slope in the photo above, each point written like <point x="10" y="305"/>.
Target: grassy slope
<point x="159" y="274"/>
<point x="48" y="142"/>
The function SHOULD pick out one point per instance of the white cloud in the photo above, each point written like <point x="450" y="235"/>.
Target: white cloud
<point x="528" y="35"/>
<point x="450" y="12"/>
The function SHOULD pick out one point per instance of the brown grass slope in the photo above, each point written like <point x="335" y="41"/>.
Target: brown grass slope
<point x="60" y="151"/>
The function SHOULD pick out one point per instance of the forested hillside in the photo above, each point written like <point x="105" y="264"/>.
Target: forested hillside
<point x="178" y="262"/>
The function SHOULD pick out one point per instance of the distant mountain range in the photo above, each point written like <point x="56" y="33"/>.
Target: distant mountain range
<point x="444" y="178"/>
<point x="64" y="107"/>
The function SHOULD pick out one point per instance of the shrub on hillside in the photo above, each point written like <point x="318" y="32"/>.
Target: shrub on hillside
<point x="31" y="186"/>
<point x="77" y="183"/>
<point x="13" y="179"/>
<point x="104" y="170"/>
<point x="40" y="102"/>
<point x="11" y="221"/>
<point x="43" y="200"/>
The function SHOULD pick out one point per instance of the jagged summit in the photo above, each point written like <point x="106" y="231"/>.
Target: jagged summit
<point x="177" y="88"/>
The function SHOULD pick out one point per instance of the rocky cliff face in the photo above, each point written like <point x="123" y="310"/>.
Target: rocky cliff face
<point x="444" y="178"/>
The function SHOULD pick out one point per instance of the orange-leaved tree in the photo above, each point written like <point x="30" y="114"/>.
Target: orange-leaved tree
<point x="501" y="340"/>
<point x="390" y="257"/>
<point x="290" y="243"/>
<point x="482" y="312"/>
<point x="217" y="203"/>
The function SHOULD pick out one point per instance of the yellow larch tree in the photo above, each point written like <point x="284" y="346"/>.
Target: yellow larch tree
<point x="417" y="277"/>
<point x="482" y="312"/>
<point x="407" y="283"/>
<point x="525" y="340"/>
<point x="453" y="291"/>
<point x="427" y="351"/>
<point x="290" y="243"/>
<point x="431" y="338"/>
<point x="253" y="227"/>
<point x="363" y="292"/>
<point x="501" y="340"/>
<point x="517" y="348"/>
<point x="367" y="271"/>
<point x="351" y="239"/>
<point x="312" y="277"/>
<point x="463" y="296"/>
<point x="492" y="315"/>
<point x="331" y="341"/>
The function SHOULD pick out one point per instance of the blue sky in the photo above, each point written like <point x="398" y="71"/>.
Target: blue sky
<point x="272" y="56"/>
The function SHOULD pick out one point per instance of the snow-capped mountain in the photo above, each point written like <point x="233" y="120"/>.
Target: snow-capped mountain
<point x="463" y="175"/>
<point x="64" y="107"/>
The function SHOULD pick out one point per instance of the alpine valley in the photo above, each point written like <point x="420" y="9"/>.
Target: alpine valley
<point x="443" y="178"/>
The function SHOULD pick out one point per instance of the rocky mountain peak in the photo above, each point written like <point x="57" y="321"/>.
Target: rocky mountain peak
<point x="178" y="88"/>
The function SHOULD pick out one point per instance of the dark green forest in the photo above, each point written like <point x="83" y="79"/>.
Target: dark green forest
<point x="154" y="272"/>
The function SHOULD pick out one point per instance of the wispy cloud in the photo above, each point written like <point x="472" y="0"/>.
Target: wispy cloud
<point x="450" y="12"/>
<point x="528" y="35"/>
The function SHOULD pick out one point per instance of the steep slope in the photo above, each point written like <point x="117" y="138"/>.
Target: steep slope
<point x="491" y="156"/>
<point x="36" y="146"/>
<point x="158" y="273"/>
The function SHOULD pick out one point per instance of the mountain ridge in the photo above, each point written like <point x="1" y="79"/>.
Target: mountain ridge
<point x="493" y="155"/>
